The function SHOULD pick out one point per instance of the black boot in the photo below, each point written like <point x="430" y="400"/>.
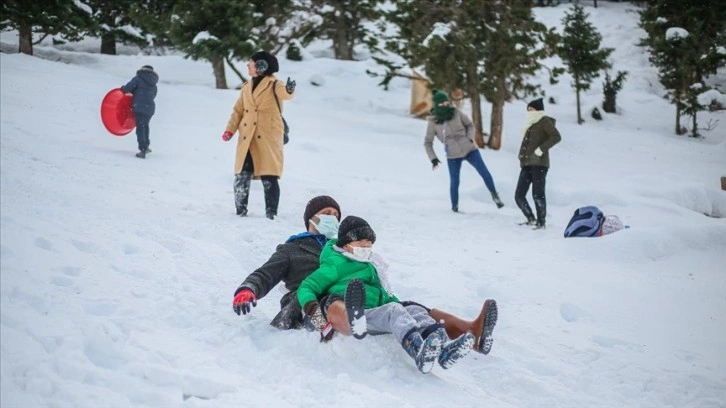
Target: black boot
<point x="497" y="201"/>
<point x="242" y="191"/>
<point x="541" y="205"/>
<point x="272" y="195"/>
<point x="526" y="210"/>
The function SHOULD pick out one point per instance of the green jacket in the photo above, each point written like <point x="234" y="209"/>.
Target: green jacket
<point x="542" y="134"/>
<point x="333" y="275"/>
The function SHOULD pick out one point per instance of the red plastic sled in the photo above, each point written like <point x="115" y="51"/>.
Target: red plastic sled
<point x="116" y="113"/>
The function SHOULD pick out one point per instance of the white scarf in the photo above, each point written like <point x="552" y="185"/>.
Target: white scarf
<point x="378" y="263"/>
<point x="532" y="118"/>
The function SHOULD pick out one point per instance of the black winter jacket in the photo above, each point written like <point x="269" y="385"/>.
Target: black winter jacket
<point x="143" y="87"/>
<point x="292" y="262"/>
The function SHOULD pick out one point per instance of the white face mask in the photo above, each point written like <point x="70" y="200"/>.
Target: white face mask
<point x="362" y="253"/>
<point x="327" y="225"/>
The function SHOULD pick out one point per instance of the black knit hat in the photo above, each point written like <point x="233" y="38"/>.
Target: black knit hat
<point x="316" y="204"/>
<point x="537" y="104"/>
<point x="354" y="228"/>
<point x="149" y="67"/>
<point x="272" y="64"/>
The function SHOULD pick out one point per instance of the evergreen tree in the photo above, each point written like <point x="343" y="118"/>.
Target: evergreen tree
<point x="343" y="22"/>
<point x="580" y="51"/>
<point x="153" y="17"/>
<point x="62" y="19"/>
<point x="489" y="48"/>
<point x="685" y="40"/>
<point x="216" y="30"/>
<point x="516" y="47"/>
<point x="611" y="87"/>
<point x="112" y="23"/>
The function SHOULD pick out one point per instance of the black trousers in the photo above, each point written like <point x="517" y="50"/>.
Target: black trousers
<point x="535" y="176"/>
<point x="242" y="189"/>
<point x="142" y="130"/>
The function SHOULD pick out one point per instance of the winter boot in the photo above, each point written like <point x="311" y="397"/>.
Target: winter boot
<point x="481" y="327"/>
<point x="424" y="352"/>
<point x="497" y="200"/>
<point x="272" y="195"/>
<point x="141" y="154"/>
<point x="541" y="205"/>
<point x="454" y="350"/>
<point x="355" y="298"/>
<point x="526" y="210"/>
<point x="147" y="150"/>
<point x="242" y="191"/>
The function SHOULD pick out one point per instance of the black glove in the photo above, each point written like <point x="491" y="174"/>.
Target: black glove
<point x="314" y="320"/>
<point x="290" y="86"/>
<point x="435" y="162"/>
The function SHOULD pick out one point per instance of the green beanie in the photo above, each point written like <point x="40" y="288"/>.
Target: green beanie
<point x="442" y="113"/>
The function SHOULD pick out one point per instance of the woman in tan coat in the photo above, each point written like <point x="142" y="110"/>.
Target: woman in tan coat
<point x="257" y="115"/>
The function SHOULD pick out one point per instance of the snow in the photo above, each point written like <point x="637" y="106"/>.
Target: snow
<point x="118" y="274"/>
<point x="675" y="33"/>
<point x="440" y="30"/>
<point x="203" y="36"/>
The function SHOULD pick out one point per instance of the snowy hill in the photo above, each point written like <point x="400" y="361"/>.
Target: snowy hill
<point x="118" y="274"/>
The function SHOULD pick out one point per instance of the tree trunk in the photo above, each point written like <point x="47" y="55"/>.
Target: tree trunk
<point x="108" y="44"/>
<point x="25" y="44"/>
<point x="595" y="2"/>
<point x="220" y="78"/>
<point x="579" y="116"/>
<point x="678" y="119"/>
<point x="472" y="85"/>
<point x="341" y="38"/>
<point x="695" y="126"/>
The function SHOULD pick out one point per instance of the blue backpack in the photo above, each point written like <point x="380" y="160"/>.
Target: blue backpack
<point x="586" y="222"/>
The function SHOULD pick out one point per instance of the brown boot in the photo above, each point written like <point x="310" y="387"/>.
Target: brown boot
<point x="481" y="327"/>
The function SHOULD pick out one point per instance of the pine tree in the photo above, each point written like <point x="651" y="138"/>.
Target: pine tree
<point x="517" y="44"/>
<point x="216" y="31"/>
<point x="610" y="88"/>
<point x="344" y="23"/>
<point x="684" y="40"/>
<point x="111" y="21"/>
<point x="62" y="19"/>
<point x="580" y="51"/>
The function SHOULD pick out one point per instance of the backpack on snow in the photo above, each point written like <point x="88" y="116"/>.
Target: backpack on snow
<point x="586" y="222"/>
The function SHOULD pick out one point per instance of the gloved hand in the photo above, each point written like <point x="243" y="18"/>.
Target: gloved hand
<point x="227" y="135"/>
<point x="435" y="163"/>
<point x="314" y="319"/>
<point x="290" y="86"/>
<point x="538" y="152"/>
<point x="242" y="301"/>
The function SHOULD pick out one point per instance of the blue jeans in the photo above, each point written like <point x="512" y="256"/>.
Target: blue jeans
<point x="474" y="158"/>
<point x="142" y="130"/>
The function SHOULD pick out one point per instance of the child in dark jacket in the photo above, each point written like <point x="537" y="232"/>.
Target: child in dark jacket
<point x="349" y="263"/>
<point x="143" y="87"/>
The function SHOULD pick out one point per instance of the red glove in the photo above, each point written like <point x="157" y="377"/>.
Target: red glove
<point x="242" y="301"/>
<point x="226" y="136"/>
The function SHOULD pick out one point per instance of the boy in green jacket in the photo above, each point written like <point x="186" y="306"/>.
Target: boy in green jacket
<point x="349" y="263"/>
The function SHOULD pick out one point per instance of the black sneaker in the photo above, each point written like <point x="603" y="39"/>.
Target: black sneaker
<point x="538" y="225"/>
<point x="141" y="154"/>
<point x="355" y="298"/>
<point x="242" y="212"/>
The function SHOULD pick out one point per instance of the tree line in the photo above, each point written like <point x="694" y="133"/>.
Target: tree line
<point x="491" y="49"/>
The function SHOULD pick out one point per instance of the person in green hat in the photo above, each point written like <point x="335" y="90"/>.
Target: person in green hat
<point x="456" y="131"/>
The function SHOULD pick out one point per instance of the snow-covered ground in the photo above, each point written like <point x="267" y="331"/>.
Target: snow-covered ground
<point x="118" y="274"/>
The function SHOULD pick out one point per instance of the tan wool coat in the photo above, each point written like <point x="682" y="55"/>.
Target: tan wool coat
<point x="259" y="122"/>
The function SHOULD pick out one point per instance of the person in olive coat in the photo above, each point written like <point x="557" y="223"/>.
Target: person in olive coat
<point x="540" y="134"/>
